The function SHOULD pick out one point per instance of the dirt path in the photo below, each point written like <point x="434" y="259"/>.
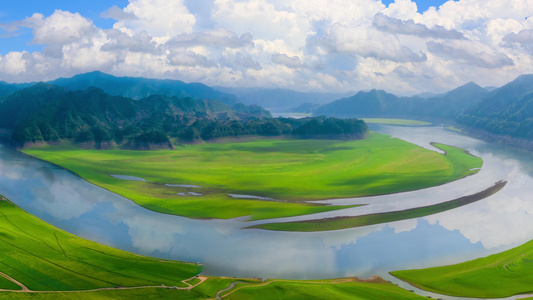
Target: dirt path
<point x="373" y="279"/>
<point x="26" y="290"/>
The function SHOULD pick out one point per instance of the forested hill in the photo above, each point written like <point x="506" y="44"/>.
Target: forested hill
<point x="506" y="111"/>
<point x="9" y="88"/>
<point x="138" y="87"/>
<point x="378" y="103"/>
<point x="91" y="117"/>
<point x="375" y="103"/>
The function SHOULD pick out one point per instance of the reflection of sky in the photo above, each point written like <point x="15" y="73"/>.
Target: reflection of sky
<point x="488" y="226"/>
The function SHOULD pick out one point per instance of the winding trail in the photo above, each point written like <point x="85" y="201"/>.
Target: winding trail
<point x="26" y="290"/>
<point x="219" y="295"/>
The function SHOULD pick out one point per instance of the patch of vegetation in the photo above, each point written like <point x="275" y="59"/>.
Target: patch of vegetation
<point x="379" y="218"/>
<point x="289" y="171"/>
<point x="344" y="288"/>
<point x="44" y="258"/>
<point x="497" y="276"/>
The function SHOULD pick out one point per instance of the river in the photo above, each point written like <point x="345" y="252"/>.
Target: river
<point x="494" y="224"/>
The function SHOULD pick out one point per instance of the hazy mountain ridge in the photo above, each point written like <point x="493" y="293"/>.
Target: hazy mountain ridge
<point x="138" y="87"/>
<point x="378" y="103"/>
<point x="46" y="112"/>
<point x="504" y="114"/>
<point x="279" y="100"/>
<point x="9" y="88"/>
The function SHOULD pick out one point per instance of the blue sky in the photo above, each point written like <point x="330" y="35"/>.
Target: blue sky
<point x="422" y="5"/>
<point x="19" y="10"/>
<point x="310" y="45"/>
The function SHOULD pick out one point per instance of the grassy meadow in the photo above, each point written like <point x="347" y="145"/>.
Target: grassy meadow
<point x="44" y="258"/>
<point x="497" y="276"/>
<point x="344" y="288"/>
<point x="287" y="170"/>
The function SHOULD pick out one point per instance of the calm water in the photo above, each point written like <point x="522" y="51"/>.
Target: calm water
<point x="494" y="224"/>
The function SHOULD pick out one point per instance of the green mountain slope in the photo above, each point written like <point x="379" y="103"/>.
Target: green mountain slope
<point x="138" y="87"/>
<point x="93" y="118"/>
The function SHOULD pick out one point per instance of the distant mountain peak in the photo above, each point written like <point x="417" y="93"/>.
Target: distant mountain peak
<point x="139" y="87"/>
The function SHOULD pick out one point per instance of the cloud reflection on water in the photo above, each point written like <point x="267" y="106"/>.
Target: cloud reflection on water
<point x="498" y="222"/>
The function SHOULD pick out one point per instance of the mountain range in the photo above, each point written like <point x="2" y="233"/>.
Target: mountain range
<point x="503" y="114"/>
<point x="138" y="87"/>
<point x="378" y="103"/>
<point x="497" y="114"/>
<point x="47" y="113"/>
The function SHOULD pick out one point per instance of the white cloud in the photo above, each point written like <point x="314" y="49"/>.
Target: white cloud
<point x="288" y="61"/>
<point x="159" y="18"/>
<point x="474" y="53"/>
<point x="409" y="27"/>
<point x="523" y="39"/>
<point x="367" y="42"/>
<point x="212" y="38"/>
<point x="62" y="27"/>
<point x="347" y="44"/>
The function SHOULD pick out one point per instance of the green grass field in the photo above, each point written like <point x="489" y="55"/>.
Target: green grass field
<point x="287" y="170"/>
<point x="207" y="290"/>
<point x="402" y="122"/>
<point x="344" y="288"/>
<point x="44" y="258"/>
<point x="497" y="276"/>
<point x="379" y="218"/>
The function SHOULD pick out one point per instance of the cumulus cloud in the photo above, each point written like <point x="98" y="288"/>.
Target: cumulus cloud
<point x="523" y="39"/>
<point x="119" y="41"/>
<point x="368" y="42"/>
<point x="62" y="27"/>
<point x="159" y="18"/>
<point x="212" y="38"/>
<point x="303" y="44"/>
<point x="242" y="61"/>
<point x="190" y="59"/>
<point x="470" y="52"/>
<point x="409" y="27"/>
<point x="288" y="61"/>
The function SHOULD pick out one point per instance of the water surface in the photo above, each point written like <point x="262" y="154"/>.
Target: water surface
<point x="494" y="224"/>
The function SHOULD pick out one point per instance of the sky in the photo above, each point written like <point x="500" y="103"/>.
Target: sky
<point x="402" y="46"/>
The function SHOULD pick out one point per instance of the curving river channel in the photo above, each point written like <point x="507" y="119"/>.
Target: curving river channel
<point x="491" y="225"/>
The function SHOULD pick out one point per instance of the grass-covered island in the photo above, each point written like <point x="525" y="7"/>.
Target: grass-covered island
<point x="197" y="180"/>
<point x="344" y="222"/>
<point x="39" y="261"/>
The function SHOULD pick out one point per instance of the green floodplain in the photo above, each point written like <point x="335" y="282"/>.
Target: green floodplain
<point x="290" y="171"/>
<point x="39" y="261"/>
